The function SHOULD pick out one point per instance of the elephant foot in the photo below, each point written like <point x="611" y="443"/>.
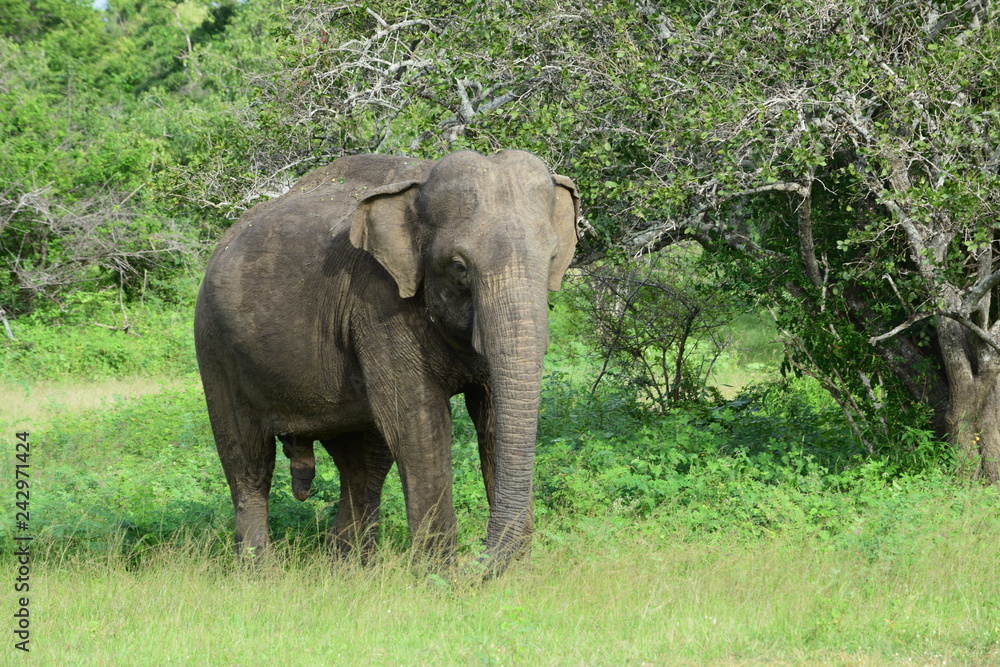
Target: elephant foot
<point x="303" y="464"/>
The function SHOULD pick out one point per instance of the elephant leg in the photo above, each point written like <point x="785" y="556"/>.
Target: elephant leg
<point x="302" y="465"/>
<point x="246" y="451"/>
<point x="479" y="403"/>
<point x="363" y="460"/>
<point x="418" y="432"/>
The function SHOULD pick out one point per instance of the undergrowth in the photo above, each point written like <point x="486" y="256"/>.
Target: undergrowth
<point x="778" y="459"/>
<point x="93" y="336"/>
<point x="133" y="473"/>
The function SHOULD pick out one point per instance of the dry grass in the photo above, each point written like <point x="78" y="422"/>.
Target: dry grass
<point x="25" y="405"/>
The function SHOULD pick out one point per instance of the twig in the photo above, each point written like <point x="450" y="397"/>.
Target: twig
<point x="125" y="328"/>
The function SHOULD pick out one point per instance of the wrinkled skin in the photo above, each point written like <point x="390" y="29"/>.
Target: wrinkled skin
<point x="350" y="310"/>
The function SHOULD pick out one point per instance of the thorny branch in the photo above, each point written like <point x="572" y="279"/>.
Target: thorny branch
<point x="93" y="232"/>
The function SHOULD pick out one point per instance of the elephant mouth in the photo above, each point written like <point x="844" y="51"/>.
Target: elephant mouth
<point x="454" y="322"/>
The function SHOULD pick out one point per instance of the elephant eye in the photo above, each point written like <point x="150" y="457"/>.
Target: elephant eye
<point x="459" y="268"/>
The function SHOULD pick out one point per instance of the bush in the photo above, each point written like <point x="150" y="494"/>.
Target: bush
<point x="775" y="460"/>
<point x="660" y="328"/>
<point x="94" y="336"/>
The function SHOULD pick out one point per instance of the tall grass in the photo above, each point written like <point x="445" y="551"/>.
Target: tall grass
<point x="605" y="596"/>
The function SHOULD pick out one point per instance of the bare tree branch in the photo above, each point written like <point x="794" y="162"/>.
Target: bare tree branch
<point x="978" y="292"/>
<point x="910" y="321"/>
<point x="6" y="324"/>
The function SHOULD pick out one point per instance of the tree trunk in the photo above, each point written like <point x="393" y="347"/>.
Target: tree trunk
<point x="973" y="413"/>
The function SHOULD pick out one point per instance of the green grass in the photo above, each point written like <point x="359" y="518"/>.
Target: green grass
<point x="86" y="343"/>
<point x="754" y="353"/>
<point x="685" y="539"/>
<point x="606" y="595"/>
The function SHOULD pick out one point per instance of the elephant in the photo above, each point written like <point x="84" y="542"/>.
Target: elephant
<point x="350" y="310"/>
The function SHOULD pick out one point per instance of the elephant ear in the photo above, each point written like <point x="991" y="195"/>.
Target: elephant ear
<point x="384" y="224"/>
<point x="564" y="215"/>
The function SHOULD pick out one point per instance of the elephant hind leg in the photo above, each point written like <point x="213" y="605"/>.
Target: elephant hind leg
<point x="246" y="450"/>
<point x="250" y="486"/>
<point x="363" y="460"/>
<point x="249" y="479"/>
<point x="250" y="505"/>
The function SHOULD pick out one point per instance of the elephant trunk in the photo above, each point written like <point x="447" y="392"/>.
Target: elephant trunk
<point x="512" y="334"/>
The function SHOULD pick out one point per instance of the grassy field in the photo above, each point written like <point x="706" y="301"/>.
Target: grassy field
<point x="706" y="536"/>
<point x="601" y="596"/>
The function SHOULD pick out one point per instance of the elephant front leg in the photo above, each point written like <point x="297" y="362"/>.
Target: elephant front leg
<point x="303" y="464"/>
<point x="363" y="460"/>
<point x="419" y="436"/>
<point x="479" y="403"/>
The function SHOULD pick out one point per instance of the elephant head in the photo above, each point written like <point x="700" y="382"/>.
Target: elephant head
<point x="481" y="240"/>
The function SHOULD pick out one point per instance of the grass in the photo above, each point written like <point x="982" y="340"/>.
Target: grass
<point x="128" y="569"/>
<point x="24" y="404"/>
<point x="754" y="354"/>
<point x="604" y="596"/>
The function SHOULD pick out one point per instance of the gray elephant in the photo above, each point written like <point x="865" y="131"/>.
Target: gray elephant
<point x="349" y="311"/>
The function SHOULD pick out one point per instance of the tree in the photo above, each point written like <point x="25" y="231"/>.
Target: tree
<point x="853" y="171"/>
<point x="839" y="158"/>
<point x="94" y="107"/>
<point x="422" y="78"/>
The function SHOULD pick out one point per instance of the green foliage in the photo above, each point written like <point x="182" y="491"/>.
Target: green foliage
<point x="91" y="340"/>
<point x="98" y="109"/>
<point x="136" y="468"/>
<point x="775" y="461"/>
<point x="743" y="466"/>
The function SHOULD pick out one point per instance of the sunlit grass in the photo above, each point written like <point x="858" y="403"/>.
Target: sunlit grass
<point x="754" y="354"/>
<point x="25" y="404"/>
<point x="600" y="595"/>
